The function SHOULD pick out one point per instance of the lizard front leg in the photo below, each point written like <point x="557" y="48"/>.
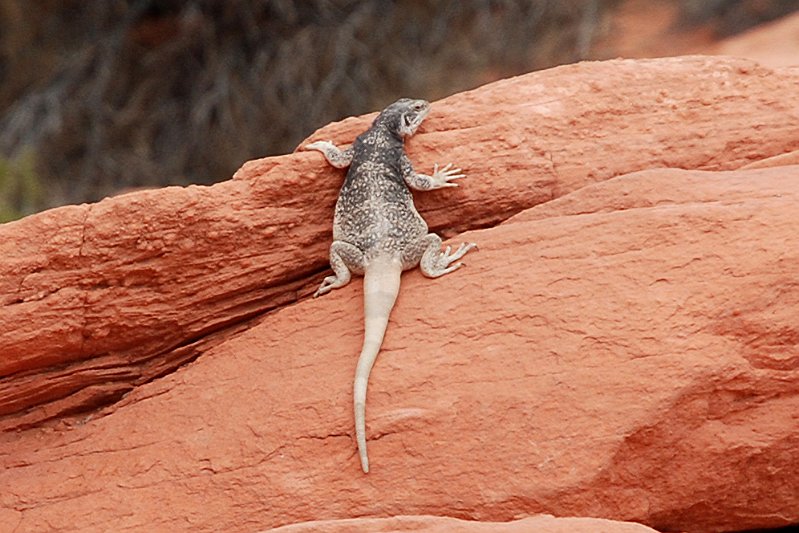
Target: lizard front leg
<point x="345" y="258"/>
<point x="422" y="182"/>
<point x="335" y="156"/>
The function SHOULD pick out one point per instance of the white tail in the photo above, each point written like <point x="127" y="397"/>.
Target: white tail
<point x="380" y="288"/>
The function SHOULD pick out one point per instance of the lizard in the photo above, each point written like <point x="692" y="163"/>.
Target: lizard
<point x="377" y="231"/>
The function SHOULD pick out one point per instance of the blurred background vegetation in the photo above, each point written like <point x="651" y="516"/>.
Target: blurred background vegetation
<point x="98" y="96"/>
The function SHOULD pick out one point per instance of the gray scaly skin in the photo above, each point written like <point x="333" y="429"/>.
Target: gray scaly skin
<point x="377" y="231"/>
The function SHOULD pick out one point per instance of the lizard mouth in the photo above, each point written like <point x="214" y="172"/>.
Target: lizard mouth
<point x="411" y="122"/>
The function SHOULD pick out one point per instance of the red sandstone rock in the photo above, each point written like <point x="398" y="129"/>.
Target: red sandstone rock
<point x="627" y="351"/>
<point x="438" y="524"/>
<point x="97" y="299"/>
<point x="790" y="158"/>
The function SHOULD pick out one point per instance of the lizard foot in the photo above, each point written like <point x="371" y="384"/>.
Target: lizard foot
<point x="320" y="146"/>
<point x="345" y="258"/>
<point x="446" y="259"/>
<point x="442" y="177"/>
<point x="334" y="155"/>
<point x="327" y="285"/>
<point x="436" y="263"/>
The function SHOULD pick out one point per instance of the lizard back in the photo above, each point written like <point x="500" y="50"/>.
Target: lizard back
<point x="375" y="209"/>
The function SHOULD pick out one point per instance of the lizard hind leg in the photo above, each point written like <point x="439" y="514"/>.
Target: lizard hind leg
<point x="434" y="262"/>
<point x="345" y="258"/>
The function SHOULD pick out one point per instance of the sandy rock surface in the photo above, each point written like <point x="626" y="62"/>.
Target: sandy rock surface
<point x="623" y="345"/>
<point x="437" y="524"/>
<point x="101" y="298"/>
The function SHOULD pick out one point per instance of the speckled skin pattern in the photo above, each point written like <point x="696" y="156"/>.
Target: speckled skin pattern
<point x="377" y="231"/>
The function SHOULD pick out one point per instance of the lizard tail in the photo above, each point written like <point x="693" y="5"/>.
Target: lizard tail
<point x="380" y="288"/>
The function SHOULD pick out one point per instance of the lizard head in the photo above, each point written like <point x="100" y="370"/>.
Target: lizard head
<point x="404" y="116"/>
